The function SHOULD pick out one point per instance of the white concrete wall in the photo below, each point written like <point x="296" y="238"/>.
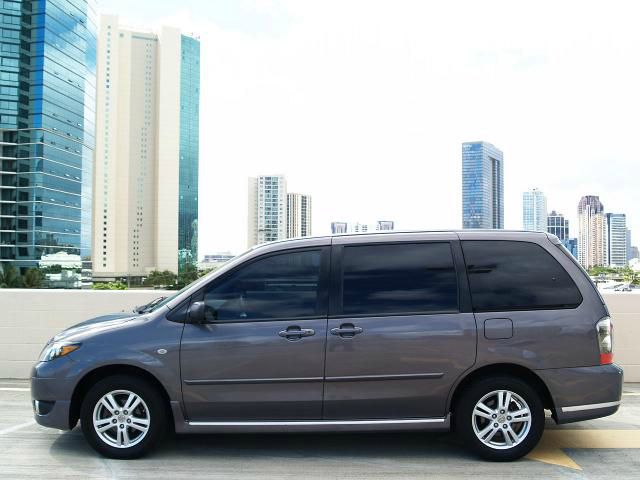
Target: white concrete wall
<point x="28" y="318"/>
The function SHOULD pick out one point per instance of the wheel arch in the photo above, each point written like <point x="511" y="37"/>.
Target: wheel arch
<point x="97" y="374"/>
<point x="497" y="369"/>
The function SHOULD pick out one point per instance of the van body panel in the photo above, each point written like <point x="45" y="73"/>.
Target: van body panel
<point x="398" y="367"/>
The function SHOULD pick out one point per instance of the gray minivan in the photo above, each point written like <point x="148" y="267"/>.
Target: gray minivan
<point x="479" y="331"/>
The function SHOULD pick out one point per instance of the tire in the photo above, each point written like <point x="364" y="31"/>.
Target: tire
<point x="129" y="435"/>
<point x="500" y="444"/>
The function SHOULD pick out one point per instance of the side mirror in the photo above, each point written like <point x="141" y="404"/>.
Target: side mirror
<point x="196" y="312"/>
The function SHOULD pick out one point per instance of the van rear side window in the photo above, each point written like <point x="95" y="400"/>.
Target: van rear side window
<point x="509" y="275"/>
<point x="399" y="279"/>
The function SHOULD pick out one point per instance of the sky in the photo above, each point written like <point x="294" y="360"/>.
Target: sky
<point x="365" y="104"/>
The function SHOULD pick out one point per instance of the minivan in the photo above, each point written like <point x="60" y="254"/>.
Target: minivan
<point x="482" y="332"/>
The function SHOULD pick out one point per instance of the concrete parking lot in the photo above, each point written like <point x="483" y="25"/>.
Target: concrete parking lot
<point x="604" y="448"/>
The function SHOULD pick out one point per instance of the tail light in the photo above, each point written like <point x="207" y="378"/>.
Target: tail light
<point x="604" y="328"/>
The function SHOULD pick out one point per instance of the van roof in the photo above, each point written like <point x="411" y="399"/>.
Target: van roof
<point x="467" y="234"/>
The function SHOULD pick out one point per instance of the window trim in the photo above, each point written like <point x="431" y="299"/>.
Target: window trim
<point x="323" y="290"/>
<point x="337" y="278"/>
<point x="503" y="308"/>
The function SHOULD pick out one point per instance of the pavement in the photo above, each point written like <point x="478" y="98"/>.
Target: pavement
<point x="604" y="448"/>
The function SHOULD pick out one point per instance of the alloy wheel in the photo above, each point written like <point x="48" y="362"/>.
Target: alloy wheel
<point x="121" y="418"/>
<point x="501" y="419"/>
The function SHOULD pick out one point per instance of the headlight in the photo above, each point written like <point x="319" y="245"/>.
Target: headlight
<point x="57" y="349"/>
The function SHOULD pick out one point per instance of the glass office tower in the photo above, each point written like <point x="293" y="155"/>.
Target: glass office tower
<point x="534" y="211"/>
<point x="47" y="105"/>
<point x="189" y="152"/>
<point x="482" y="186"/>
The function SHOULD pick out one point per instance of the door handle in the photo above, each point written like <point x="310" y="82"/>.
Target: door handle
<point x="347" y="330"/>
<point x="296" y="333"/>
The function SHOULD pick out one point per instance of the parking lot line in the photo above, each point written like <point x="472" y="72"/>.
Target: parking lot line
<point x="4" y="431"/>
<point x="549" y="450"/>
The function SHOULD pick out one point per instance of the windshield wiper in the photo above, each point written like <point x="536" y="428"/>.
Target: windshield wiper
<point x="148" y="306"/>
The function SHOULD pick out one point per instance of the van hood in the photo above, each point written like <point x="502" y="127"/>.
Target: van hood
<point x="94" y="325"/>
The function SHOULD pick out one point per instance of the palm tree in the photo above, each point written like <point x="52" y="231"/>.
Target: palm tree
<point x="9" y="277"/>
<point x="32" y="278"/>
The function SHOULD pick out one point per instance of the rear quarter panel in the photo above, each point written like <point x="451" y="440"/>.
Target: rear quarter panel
<point x="544" y="339"/>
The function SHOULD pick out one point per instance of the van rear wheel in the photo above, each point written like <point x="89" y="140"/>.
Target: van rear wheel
<point x="123" y="417"/>
<point x="501" y="418"/>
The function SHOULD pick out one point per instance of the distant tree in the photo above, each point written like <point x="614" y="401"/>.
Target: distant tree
<point x="109" y="286"/>
<point x="9" y="277"/>
<point x="165" y="278"/>
<point x="596" y="271"/>
<point x="32" y="278"/>
<point x="205" y="271"/>
<point x="631" y="276"/>
<point x="188" y="274"/>
<point x="51" y="269"/>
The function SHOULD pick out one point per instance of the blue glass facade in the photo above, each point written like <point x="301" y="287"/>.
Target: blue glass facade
<point x="482" y="186"/>
<point x="189" y="152"/>
<point x="47" y="104"/>
<point x="571" y="244"/>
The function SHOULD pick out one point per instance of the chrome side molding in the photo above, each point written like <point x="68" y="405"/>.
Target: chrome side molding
<point x="592" y="406"/>
<point x="312" y="423"/>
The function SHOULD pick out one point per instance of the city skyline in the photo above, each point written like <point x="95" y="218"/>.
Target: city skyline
<point x="272" y="101"/>
<point x="246" y="108"/>
<point x="273" y="213"/>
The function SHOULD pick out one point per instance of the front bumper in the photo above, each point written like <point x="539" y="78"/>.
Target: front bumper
<point x="584" y="393"/>
<point x="50" y="397"/>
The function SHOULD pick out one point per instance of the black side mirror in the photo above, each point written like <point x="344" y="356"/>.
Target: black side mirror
<point x="196" y="312"/>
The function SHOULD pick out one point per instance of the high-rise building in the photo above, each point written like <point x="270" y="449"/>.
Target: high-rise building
<point x="358" y="227"/>
<point x="534" y="211"/>
<point x="617" y="239"/>
<point x="384" y="225"/>
<point x="267" y="216"/>
<point x="339" y="227"/>
<point x="592" y="236"/>
<point x="298" y="215"/>
<point x="482" y="186"/>
<point x="571" y="244"/>
<point x="635" y="252"/>
<point x="629" y="257"/>
<point x="47" y="105"/>
<point x="147" y="147"/>
<point x="558" y="225"/>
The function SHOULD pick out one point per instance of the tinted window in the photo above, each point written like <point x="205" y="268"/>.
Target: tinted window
<point x="400" y="278"/>
<point x="278" y="286"/>
<point x="506" y="275"/>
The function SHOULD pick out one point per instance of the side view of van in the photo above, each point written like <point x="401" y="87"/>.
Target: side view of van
<point x="476" y="331"/>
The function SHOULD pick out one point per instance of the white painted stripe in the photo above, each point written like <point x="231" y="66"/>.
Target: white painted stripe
<point x="13" y="389"/>
<point x="319" y="422"/>
<point x="593" y="406"/>
<point x="631" y="394"/>
<point x="4" y="431"/>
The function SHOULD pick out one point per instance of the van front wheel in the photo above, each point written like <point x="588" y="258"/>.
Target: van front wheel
<point x="501" y="419"/>
<point x="123" y="417"/>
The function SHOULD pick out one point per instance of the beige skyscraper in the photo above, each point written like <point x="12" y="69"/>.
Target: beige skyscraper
<point x="592" y="232"/>
<point x="298" y="215"/>
<point x="146" y="157"/>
